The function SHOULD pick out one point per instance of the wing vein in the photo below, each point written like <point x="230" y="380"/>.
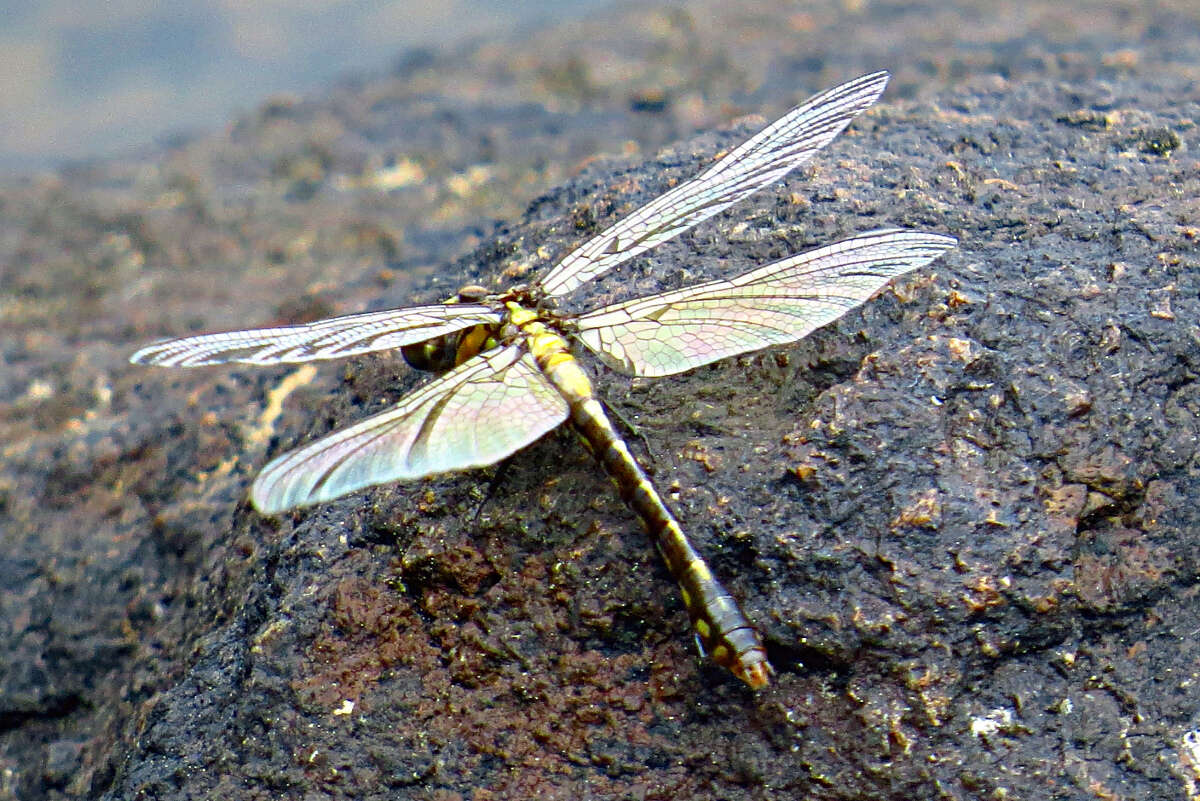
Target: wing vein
<point x="780" y="302"/>
<point x="334" y="338"/>
<point x="766" y="157"/>
<point x="478" y="413"/>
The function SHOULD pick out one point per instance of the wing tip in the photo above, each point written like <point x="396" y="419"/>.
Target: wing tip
<point x="147" y="354"/>
<point x="880" y="77"/>
<point x="870" y="86"/>
<point x="269" y="502"/>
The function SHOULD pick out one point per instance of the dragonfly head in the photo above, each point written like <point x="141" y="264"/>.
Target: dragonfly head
<point x="444" y="353"/>
<point x="471" y="293"/>
<point x="437" y="355"/>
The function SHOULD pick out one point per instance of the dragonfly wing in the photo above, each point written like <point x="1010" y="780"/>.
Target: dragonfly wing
<point x="324" y="339"/>
<point x="765" y="158"/>
<point x="780" y="302"/>
<point x="485" y="409"/>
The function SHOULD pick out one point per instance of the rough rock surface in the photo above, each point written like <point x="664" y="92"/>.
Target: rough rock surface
<point x="964" y="517"/>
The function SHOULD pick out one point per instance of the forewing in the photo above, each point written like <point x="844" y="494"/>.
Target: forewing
<point x="475" y="415"/>
<point x="768" y="156"/>
<point x="781" y="302"/>
<point x="324" y="339"/>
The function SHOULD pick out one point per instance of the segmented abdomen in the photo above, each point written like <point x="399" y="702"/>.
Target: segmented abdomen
<point x="724" y="632"/>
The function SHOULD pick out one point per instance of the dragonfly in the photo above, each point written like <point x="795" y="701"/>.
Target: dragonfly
<point x="506" y="367"/>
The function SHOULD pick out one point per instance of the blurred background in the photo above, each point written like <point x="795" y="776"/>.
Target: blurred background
<point x="86" y="79"/>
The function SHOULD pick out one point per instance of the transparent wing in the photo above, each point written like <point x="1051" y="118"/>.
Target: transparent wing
<point x="781" y="302"/>
<point x="478" y="413"/>
<point x="324" y="339"/>
<point x="768" y="156"/>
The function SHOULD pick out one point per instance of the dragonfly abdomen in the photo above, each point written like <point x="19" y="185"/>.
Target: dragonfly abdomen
<point x="723" y="631"/>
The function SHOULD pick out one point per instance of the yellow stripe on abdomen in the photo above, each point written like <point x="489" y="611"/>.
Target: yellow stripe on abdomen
<point x="723" y="631"/>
